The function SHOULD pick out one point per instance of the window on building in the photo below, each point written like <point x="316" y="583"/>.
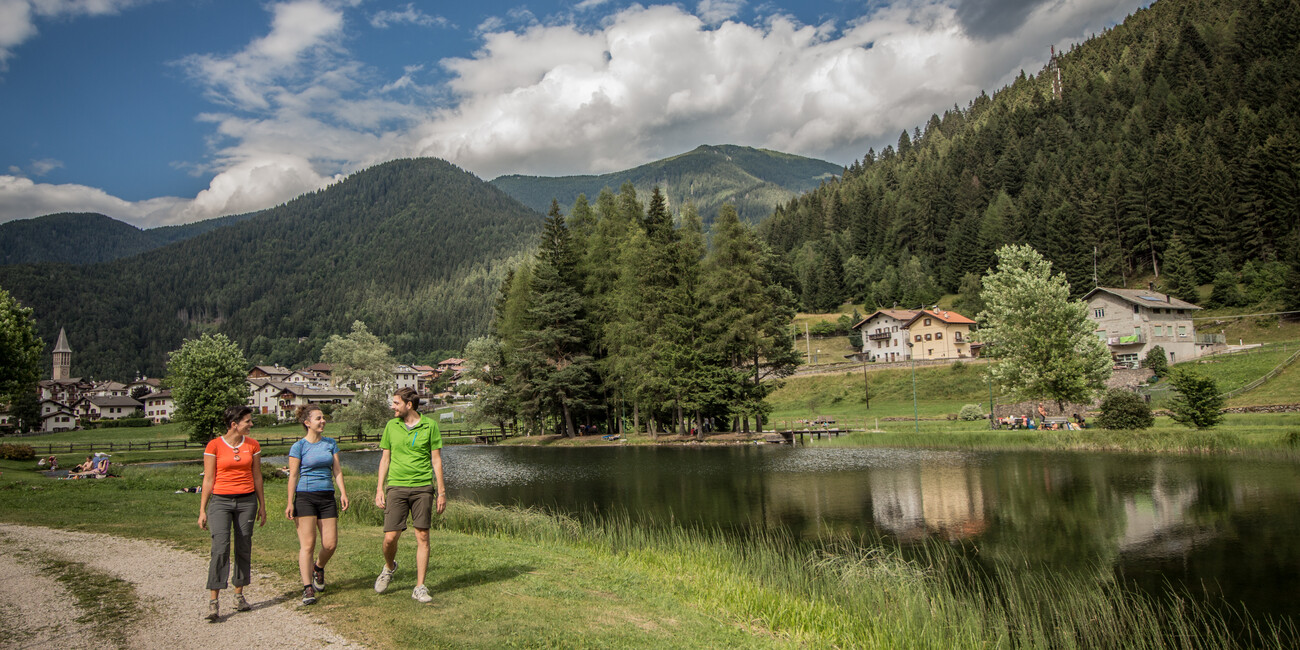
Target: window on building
<point x="929" y="352"/>
<point x="1159" y="331"/>
<point x="957" y="335"/>
<point x="1099" y="312"/>
<point x="1137" y="309"/>
<point x="938" y="335"/>
<point x="927" y="321"/>
<point x="1182" y="331"/>
<point x="927" y="337"/>
<point x="918" y="338"/>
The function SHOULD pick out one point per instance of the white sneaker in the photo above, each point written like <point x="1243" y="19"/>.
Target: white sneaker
<point x="385" y="577"/>
<point x="421" y="593"/>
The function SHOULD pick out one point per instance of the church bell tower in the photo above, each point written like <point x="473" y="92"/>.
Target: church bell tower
<point x="62" y="357"/>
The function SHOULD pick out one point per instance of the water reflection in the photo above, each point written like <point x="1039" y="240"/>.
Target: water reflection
<point x="1219" y="524"/>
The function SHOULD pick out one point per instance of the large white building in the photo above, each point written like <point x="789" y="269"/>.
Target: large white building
<point x="884" y="334"/>
<point x="1132" y="321"/>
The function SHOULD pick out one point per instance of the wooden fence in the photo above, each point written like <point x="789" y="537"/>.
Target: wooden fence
<point x="488" y="435"/>
<point x="1260" y="382"/>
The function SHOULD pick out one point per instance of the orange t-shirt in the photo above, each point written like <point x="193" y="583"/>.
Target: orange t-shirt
<point x="234" y="477"/>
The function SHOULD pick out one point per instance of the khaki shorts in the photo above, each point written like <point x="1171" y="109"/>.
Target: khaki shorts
<point x="400" y="500"/>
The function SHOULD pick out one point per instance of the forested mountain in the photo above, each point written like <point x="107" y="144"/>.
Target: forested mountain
<point x="1171" y="149"/>
<point x="415" y="248"/>
<point x="754" y="180"/>
<point x="88" y="237"/>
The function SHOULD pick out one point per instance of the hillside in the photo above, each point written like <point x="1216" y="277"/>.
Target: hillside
<point x="415" y="248"/>
<point x="1170" y="150"/>
<point x="86" y="238"/>
<point x="755" y="180"/>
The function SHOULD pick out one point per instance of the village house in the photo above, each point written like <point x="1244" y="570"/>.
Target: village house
<point x="308" y="377"/>
<point x="159" y="406"/>
<point x="1132" y="321"/>
<point x="114" y="407"/>
<point x="110" y="389"/>
<point x="882" y="337"/>
<point x="939" y="334"/>
<point x="406" y="377"/>
<point x="275" y="373"/>
<point x="67" y="391"/>
<point x="57" y="416"/>
<point x="291" y="396"/>
<point x="143" y="386"/>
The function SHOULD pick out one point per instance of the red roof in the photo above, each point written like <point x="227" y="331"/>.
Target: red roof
<point x="950" y="317"/>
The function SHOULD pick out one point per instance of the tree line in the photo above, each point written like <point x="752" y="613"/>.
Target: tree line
<point x="627" y="317"/>
<point x="1171" y="152"/>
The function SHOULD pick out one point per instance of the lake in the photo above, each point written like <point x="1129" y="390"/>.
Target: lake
<point x="1218" y="525"/>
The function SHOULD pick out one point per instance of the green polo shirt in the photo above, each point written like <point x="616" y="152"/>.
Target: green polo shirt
<point x="410" y="464"/>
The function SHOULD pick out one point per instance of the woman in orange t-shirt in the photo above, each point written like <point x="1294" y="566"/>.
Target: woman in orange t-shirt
<point x="232" y="499"/>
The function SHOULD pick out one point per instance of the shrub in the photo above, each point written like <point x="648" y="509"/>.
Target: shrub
<point x="971" y="412"/>
<point x="1121" y="409"/>
<point x="261" y="420"/>
<point x="1198" y="403"/>
<point x="958" y="366"/>
<point x="822" y="328"/>
<point x="1157" y="361"/>
<point x="17" y="452"/>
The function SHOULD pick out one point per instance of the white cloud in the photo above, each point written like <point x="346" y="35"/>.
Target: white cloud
<point x="588" y="4"/>
<point x="18" y="18"/>
<point x="45" y="166"/>
<point x="23" y="198"/>
<point x="300" y="31"/>
<point x="410" y="15"/>
<point x="716" y="11"/>
<point x="645" y="83"/>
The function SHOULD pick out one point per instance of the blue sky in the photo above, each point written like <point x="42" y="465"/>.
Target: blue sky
<point x="169" y="111"/>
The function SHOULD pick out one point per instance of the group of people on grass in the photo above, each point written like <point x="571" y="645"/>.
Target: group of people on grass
<point x="232" y="497"/>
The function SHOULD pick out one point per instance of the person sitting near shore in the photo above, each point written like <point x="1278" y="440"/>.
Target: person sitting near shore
<point x="85" y="467"/>
<point x="1080" y="421"/>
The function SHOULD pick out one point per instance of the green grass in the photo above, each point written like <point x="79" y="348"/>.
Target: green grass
<point x="940" y="390"/>
<point x="1233" y="371"/>
<point x="504" y="576"/>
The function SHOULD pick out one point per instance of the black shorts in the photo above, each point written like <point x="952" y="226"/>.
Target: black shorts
<point x="315" y="504"/>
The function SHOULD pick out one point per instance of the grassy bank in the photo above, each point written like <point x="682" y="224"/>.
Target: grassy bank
<point x="503" y="577"/>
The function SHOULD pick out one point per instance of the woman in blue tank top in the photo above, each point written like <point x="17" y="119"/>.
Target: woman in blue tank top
<point x="314" y="471"/>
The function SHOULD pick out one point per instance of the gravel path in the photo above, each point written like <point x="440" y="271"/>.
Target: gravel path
<point x="36" y="611"/>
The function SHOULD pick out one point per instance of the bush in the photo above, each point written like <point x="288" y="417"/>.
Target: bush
<point x="1121" y="409"/>
<point x="1197" y="403"/>
<point x="262" y="420"/>
<point x="971" y="412"/>
<point x="17" y="452"/>
<point x="822" y="328"/>
<point x="1157" y="361"/>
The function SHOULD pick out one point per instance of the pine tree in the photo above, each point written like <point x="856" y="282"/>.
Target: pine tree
<point x="555" y="351"/>
<point x="1179" y="279"/>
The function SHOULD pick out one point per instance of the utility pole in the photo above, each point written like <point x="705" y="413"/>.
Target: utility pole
<point x="866" y="388"/>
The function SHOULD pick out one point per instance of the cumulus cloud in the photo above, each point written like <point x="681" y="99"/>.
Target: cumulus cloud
<point x="991" y="18"/>
<point x="23" y="198"/>
<point x="567" y="97"/>
<point x="409" y="15"/>
<point x="18" y="18"/>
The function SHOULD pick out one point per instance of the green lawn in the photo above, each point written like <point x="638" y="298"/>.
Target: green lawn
<point x="1233" y="371"/>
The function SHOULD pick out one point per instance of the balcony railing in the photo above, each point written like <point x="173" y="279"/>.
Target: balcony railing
<point x="1131" y="339"/>
<point x="1210" y="339"/>
<point x="880" y="336"/>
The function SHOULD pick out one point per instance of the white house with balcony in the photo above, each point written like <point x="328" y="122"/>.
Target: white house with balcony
<point x="884" y="334"/>
<point x="1132" y="321"/>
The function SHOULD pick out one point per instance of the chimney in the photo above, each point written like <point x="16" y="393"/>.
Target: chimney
<point x="1151" y="286"/>
<point x="1169" y="299"/>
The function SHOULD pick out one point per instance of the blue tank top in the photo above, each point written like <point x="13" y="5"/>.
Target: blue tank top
<point x="316" y="473"/>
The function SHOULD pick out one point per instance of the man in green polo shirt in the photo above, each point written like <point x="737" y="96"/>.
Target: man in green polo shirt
<point x="412" y="459"/>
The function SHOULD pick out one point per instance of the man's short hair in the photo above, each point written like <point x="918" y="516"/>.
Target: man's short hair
<point x="410" y="396"/>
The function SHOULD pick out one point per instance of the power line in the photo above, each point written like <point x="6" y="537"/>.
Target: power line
<point x="1271" y="313"/>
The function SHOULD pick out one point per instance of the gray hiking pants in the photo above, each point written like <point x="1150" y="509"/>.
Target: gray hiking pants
<point x="224" y="515"/>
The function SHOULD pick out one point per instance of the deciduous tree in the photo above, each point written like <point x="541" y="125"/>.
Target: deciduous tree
<point x="20" y="348"/>
<point x="365" y="365"/>
<point x="1043" y="341"/>
<point x="206" y="375"/>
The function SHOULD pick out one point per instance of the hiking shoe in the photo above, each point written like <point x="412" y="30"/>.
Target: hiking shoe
<point x="241" y="605"/>
<point x="214" y="611"/>
<point x="421" y="593"/>
<point x="385" y="577"/>
<point x="308" y="595"/>
<point x="318" y="578"/>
